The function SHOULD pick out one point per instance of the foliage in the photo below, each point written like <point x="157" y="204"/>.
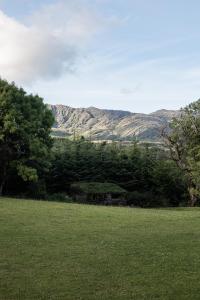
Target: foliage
<point x="59" y="197"/>
<point x="146" y="199"/>
<point x="36" y="190"/>
<point x="184" y="144"/>
<point x="25" y="125"/>
<point x="134" y="168"/>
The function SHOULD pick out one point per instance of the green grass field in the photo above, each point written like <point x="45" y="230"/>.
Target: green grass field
<point x="68" y="251"/>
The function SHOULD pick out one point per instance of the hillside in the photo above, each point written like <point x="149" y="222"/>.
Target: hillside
<point x="101" y="124"/>
<point x="70" y="252"/>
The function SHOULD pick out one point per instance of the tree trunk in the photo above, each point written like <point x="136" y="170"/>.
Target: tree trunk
<point x="192" y="197"/>
<point x="3" y="180"/>
<point x="1" y="187"/>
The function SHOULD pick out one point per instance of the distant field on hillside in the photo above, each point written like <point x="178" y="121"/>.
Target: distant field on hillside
<point x="68" y="251"/>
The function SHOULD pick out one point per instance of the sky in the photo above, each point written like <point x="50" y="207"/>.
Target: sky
<point x="136" y="55"/>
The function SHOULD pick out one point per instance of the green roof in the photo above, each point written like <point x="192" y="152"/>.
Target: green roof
<point x="97" y="188"/>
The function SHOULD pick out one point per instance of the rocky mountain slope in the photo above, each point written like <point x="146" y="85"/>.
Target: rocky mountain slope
<point x="101" y="124"/>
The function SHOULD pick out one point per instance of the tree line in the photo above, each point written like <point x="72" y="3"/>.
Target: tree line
<point x="35" y="165"/>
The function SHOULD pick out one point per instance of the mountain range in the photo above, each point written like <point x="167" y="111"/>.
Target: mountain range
<point x="101" y="124"/>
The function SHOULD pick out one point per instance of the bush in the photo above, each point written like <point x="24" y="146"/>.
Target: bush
<point x="36" y="190"/>
<point x="146" y="199"/>
<point x="60" y="197"/>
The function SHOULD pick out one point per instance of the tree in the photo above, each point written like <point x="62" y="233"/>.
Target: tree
<point x="184" y="145"/>
<point x="25" y="125"/>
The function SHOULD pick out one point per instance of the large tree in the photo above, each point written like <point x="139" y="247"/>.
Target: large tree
<point x="184" y="145"/>
<point x="25" y="125"/>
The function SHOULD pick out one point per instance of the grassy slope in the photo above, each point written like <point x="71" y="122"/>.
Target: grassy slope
<point x="66" y="251"/>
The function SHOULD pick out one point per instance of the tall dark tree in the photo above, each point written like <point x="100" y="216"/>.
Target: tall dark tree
<point x="184" y="145"/>
<point x="25" y="125"/>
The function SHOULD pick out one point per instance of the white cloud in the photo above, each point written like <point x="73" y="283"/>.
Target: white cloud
<point x="46" y="47"/>
<point x="71" y="20"/>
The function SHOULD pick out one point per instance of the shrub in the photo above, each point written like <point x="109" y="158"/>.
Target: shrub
<point x="36" y="190"/>
<point x="60" y="197"/>
<point x="146" y="199"/>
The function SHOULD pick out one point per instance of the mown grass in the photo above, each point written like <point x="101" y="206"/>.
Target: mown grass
<point x="68" y="251"/>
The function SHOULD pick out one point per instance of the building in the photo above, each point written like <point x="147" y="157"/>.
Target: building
<point x="98" y="193"/>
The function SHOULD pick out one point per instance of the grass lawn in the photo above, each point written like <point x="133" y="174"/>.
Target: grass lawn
<point x="68" y="251"/>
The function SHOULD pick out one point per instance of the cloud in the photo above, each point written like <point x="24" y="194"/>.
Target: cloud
<point x="74" y="20"/>
<point x="126" y="91"/>
<point x="130" y="91"/>
<point x="49" y="45"/>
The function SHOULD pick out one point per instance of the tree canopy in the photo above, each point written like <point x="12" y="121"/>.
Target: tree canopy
<point x="25" y="125"/>
<point x="184" y="144"/>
